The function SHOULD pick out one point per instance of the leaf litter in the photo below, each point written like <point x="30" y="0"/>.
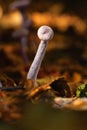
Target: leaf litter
<point x="57" y="86"/>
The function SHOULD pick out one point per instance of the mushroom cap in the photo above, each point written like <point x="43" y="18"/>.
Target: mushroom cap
<point x="45" y="33"/>
<point x="20" y="4"/>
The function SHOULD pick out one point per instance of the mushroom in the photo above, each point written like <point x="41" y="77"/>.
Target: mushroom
<point x="23" y="33"/>
<point x="45" y="33"/>
<point x="21" y="5"/>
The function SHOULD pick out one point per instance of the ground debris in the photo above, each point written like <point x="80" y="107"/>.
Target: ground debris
<point x="70" y="103"/>
<point x="9" y="111"/>
<point x="61" y="87"/>
<point x="60" y="93"/>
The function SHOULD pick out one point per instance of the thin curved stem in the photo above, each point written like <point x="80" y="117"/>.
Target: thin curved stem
<point x="35" y="66"/>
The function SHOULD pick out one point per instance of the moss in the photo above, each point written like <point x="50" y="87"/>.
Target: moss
<point x="82" y="90"/>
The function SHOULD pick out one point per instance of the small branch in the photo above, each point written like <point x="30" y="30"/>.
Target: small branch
<point x="12" y="88"/>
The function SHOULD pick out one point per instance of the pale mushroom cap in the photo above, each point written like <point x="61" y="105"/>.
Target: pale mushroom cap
<point x="45" y="33"/>
<point x="19" y="4"/>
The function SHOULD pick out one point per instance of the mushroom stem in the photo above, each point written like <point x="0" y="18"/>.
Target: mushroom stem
<point x="23" y="41"/>
<point x="45" y="33"/>
<point x="33" y="71"/>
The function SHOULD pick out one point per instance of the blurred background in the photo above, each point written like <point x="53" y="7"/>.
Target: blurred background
<point x="66" y="54"/>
